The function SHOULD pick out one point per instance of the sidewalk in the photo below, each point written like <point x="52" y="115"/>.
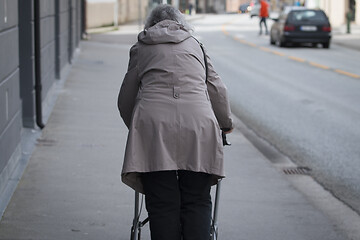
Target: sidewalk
<point x="71" y="188"/>
<point x="352" y="40"/>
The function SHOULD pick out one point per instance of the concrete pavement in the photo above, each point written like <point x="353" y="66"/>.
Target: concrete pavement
<point x="71" y="187"/>
<point x="352" y="40"/>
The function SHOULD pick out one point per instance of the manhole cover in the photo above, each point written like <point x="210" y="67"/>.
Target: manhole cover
<point x="297" y="171"/>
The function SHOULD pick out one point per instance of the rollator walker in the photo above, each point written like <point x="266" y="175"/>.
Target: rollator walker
<point x="137" y="224"/>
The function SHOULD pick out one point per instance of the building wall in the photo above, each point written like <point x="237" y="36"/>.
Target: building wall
<point x="67" y="32"/>
<point x="100" y="14"/>
<point x="47" y="44"/>
<point x="336" y="10"/>
<point x="129" y="10"/>
<point x="216" y="6"/>
<point x="233" y="5"/>
<point x="60" y="32"/>
<point x="10" y="104"/>
<point x="357" y="13"/>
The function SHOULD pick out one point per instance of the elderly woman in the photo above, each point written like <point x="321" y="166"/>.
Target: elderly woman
<point x="174" y="113"/>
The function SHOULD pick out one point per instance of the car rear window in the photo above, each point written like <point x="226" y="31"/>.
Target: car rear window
<point x="307" y="16"/>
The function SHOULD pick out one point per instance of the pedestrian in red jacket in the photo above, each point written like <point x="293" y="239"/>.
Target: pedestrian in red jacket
<point x="263" y="14"/>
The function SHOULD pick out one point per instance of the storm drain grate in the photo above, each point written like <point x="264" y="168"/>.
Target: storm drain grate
<point x="45" y="142"/>
<point x="297" y="171"/>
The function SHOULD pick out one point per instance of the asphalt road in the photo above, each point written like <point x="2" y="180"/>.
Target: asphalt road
<point x="303" y="100"/>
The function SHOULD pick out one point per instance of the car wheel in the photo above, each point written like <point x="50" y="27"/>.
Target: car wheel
<point x="280" y="43"/>
<point x="272" y="41"/>
<point x="326" y="45"/>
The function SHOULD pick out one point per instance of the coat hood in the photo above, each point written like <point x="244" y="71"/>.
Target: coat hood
<point x="166" y="31"/>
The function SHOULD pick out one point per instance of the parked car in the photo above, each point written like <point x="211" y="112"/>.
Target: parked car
<point x="244" y="8"/>
<point x="298" y="25"/>
<point x="254" y="8"/>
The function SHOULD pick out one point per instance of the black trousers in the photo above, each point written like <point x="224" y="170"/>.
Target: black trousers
<point x="178" y="204"/>
<point x="263" y="20"/>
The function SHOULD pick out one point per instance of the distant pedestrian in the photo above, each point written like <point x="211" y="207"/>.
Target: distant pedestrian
<point x="263" y="14"/>
<point x="174" y="114"/>
<point x="190" y="8"/>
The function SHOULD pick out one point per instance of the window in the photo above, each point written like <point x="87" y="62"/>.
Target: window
<point x="308" y="15"/>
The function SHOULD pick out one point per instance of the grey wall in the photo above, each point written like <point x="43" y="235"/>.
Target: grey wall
<point x="47" y="31"/>
<point x="10" y="104"/>
<point x="60" y="32"/>
<point x="63" y="35"/>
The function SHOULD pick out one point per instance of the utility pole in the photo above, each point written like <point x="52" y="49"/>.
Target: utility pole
<point x="116" y="12"/>
<point x="176" y="4"/>
<point x="140" y="15"/>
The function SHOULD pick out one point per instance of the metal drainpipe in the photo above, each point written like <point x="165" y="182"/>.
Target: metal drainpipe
<point x="83" y="20"/>
<point x="70" y="47"/>
<point x="38" y="86"/>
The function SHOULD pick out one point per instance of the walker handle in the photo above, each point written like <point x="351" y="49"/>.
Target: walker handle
<point x="225" y="142"/>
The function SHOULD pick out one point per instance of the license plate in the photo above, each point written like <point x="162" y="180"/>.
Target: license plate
<point x="308" y="28"/>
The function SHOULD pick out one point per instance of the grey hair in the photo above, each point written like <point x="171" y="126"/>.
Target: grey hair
<point x="166" y="12"/>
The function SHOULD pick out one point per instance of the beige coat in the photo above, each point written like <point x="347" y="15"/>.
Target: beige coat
<point x="174" y="117"/>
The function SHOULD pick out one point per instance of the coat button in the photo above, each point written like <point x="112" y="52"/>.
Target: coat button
<point x="176" y="93"/>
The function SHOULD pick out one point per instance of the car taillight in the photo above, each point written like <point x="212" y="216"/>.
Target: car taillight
<point x="326" y="29"/>
<point x="289" y="28"/>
